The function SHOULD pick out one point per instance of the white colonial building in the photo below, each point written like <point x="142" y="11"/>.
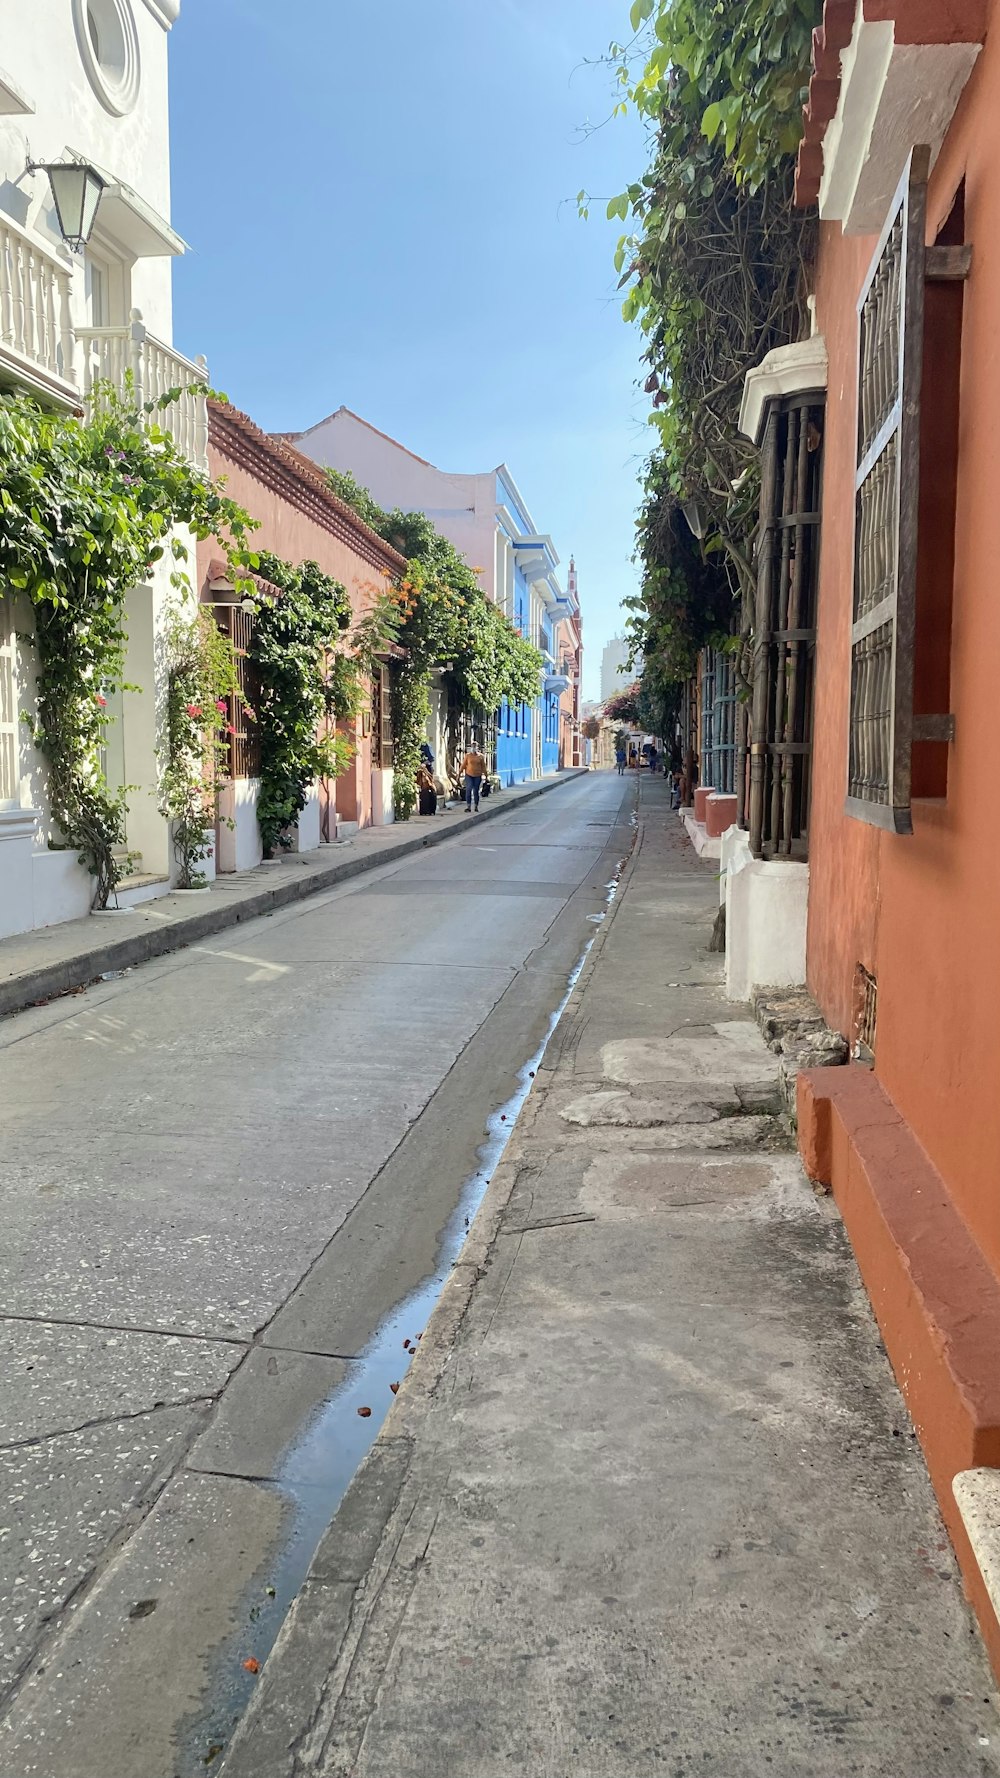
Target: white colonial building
<point x="84" y="83"/>
<point x="488" y="521"/>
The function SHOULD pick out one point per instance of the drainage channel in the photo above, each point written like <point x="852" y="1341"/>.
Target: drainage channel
<point x="321" y="1464"/>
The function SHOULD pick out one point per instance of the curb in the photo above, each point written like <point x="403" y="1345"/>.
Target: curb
<point x="52" y="980"/>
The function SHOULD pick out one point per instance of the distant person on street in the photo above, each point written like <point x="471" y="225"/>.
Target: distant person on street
<point x="426" y="792"/>
<point x="620" y="761"/>
<point x="474" y="768"/>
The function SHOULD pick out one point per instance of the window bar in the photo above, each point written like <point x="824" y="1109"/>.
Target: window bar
<point x="790" y="769"/>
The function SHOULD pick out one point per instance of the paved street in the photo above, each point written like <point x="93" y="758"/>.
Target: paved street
<point x="196" y="1256"/>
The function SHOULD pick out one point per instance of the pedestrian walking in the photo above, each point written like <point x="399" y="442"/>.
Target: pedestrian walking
<point x="620" y="761"/>
<point x="474" y="769"/>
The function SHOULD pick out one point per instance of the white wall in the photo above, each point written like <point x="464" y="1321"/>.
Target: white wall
<point x="40" y="52"/>
<point x="463" y="507"/>
<point x="44" y="56"/>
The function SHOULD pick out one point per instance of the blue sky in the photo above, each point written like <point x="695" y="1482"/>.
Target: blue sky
<point x="380" y="204"/>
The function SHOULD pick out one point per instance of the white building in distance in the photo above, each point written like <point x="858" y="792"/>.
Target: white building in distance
<point x="616" y="675"/>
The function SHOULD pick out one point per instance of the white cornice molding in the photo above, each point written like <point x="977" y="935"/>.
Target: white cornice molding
<point x="891" y="96"/>
<point x="788" y="370"/>
<point x="164" y="11"/>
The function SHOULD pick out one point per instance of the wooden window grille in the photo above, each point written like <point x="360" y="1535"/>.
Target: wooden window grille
<point x="774" y="798"/>
<point x="244" y="741"/>
<point x="883" y="726"/>
<point x="382" y="748"/>
<point x="10" y="787"/>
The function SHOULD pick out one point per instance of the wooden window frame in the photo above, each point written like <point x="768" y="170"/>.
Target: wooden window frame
<point x="882" y="724"/>
<point x="381" y="719"/>
<point x="238" y="626"/>
<point x="776" y="728"/>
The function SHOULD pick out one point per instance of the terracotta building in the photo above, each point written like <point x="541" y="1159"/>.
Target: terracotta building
<point x="300" y="519"/>
<point x="569" y="663"/>
<point x="902" y="155"/>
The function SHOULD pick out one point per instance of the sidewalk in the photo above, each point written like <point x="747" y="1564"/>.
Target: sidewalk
<point x="648" y="1500"/>
<point x="55" y="960"/>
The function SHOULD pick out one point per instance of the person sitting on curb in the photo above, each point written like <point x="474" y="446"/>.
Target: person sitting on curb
<point x="474" y="767"/>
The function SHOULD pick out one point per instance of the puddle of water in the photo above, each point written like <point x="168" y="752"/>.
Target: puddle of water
<point x="320" y="1466"/>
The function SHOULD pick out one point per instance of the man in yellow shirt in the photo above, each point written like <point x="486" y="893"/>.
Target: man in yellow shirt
<point x="474" y="769"/>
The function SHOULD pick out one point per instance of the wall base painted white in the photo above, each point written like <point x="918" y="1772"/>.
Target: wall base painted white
<point x="239" y="846"/>
<point x="382" y="807"/>
<point x="307" y="829"/>
<point x="38" y="887"/>
<point x="766" y="902"/>
<point x="17" y="833"/>
<point x="704" y="847"/>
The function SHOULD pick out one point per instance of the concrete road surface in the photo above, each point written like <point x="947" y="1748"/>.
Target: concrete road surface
<point x="231" y="1183"/>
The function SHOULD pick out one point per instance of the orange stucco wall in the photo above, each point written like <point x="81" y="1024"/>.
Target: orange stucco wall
<point x="569" y="646"/>
<point x="920" y="911"/>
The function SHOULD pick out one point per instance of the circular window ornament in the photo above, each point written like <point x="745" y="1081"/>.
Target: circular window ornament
<point x="109" y="48"/>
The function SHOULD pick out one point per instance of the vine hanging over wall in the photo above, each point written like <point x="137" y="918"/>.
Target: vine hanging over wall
<point x="443" y="617"/>
<point x="311" y="674"/>
<point x="86" y="510"/>
<point x="715" y="269"/>
<point x="201" y="678"/>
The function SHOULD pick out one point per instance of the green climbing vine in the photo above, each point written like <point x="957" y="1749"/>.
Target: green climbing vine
<point x="715" y="271"/>
<point x="444" y="618"/>
<point x="87" y="508"/>
<point x="202" y="684"/>
<point x="311" y="673"/>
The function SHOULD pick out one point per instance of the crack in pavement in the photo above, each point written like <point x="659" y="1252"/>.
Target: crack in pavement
<point x="158" y="1407"/>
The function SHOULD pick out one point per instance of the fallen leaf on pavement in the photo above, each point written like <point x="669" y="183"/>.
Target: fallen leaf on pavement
<point x="365" y="1413"/>
<point x="251" y="1665"/>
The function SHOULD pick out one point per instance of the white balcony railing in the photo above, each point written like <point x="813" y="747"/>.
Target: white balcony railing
<point x="36" y="337"/>
<point x="40" y="348"/>
<point x="111" y="353"/>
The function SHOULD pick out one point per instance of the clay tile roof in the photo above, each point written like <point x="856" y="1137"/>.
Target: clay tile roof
<point x="277" y="451"/>
<point x="914" y="21"/>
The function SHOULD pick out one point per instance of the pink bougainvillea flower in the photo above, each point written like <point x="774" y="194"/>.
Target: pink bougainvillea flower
<point x="102" y="701"/>
<point x="193" y="709"/>
<point x="220" y="704"/>
<point x="230" y="729"/>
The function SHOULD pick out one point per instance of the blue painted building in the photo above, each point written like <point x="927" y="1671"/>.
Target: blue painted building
<point x="486" y="518"/>
<point x="528" y="590"/>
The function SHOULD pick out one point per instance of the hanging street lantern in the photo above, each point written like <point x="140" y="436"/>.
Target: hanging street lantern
<point x="76" y="189"/>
